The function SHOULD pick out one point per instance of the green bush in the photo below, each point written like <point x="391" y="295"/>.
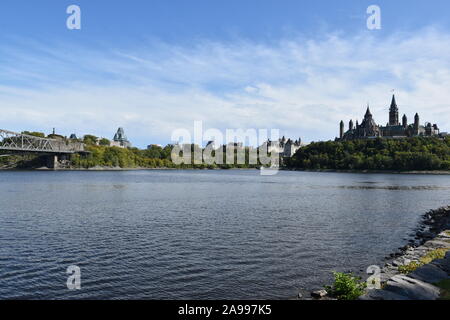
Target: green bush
<point x="346" y="287"/>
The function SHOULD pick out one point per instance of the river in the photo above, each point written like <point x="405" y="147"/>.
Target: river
<point x="200" y="234"/>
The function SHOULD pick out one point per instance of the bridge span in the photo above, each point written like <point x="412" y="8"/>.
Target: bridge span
<point x="55" y="149"/>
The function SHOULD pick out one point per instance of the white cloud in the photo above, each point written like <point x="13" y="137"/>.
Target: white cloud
<point x="303" y="87"/>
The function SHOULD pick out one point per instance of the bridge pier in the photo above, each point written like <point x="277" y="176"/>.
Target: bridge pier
<point x="53" y="162"/>
<point x="58" y="161"/>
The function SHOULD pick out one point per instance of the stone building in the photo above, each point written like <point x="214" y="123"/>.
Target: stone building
<point x="393" y="129"/>
<point x="285" y="147"/>
<point x="120" y="140"/>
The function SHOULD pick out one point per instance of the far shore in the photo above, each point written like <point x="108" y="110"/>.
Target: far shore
<point x="99" y="168"/>
<point x="436" y="172"/>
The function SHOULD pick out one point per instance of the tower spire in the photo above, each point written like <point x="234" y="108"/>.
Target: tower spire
<point x="394" y="103"/>
<point x="368" y="113"/>
<point x="393" y="113"/>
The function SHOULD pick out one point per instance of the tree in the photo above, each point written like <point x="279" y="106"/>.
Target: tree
<point x="418" y="153"/>
<point x="90" y="139"/>
<point x="104" y="142"/>
<point x="34" y="134"/>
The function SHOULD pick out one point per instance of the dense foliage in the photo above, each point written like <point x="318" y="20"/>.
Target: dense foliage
<point x="375" y="154"/>
<point x="156" y="157"/>
<point x="346" y="287"/>
<point x="104" y="156"/>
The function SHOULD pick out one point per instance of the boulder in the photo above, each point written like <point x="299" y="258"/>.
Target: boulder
<point x="435" y="244"/>
<point x="382" y="295"/>
<point x="429" y="273"/>
<point x="412" y="289"/>
<point x="319" y="294"/>
<point x="443" y="264"/>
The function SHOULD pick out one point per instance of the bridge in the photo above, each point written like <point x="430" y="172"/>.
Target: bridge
<point x="56" y="149"/>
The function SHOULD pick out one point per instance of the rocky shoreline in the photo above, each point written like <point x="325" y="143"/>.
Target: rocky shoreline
<point x="421" y="269"/>
<point x="417" y="270"/>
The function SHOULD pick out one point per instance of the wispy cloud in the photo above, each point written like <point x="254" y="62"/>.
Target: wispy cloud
<point x="303" y="87"/>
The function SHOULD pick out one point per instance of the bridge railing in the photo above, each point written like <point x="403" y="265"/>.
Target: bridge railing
<point x="13" y="141"/>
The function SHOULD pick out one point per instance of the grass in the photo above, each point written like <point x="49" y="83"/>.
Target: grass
<point x="411" y="267"/>
<point x="444" y="285"/>
<point x="426" y="259"/>
<point x="434" y="255"/>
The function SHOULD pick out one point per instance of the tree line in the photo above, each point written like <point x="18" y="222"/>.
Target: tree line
<point x="409" y="154"/>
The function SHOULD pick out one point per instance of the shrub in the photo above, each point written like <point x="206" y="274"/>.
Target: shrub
<point x="346" y="287"/>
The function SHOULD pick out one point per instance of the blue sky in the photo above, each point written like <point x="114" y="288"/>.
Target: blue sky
<point x="155" y="66"/>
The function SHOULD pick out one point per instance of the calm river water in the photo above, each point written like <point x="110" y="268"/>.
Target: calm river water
<point x="200" y="234"/>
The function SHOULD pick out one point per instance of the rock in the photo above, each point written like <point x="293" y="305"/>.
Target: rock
<point x="437" y="244"/>
<point x="443" y="264"/>
<point x="318" y="294"/>
<point x="405" y="248"/>
<point x="382" y="295"/>
<point x="397" y="263"/>
<point x="444" y="235"/>
<point x="429" y="273"/>
<point x="412" y="289"/>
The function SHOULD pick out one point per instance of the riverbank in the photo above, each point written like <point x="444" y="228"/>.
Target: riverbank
<point x="421" y="270"/>
<point x="436" y="172"/>
<point x="102" y="168"/>
<point x="422" y="273"/>
<point x="418" y="271"/>
<point x="98" y="168"/>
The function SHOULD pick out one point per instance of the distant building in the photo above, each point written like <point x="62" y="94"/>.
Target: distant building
<point x="120" y="140"/>
<point x="393" y="129"/>
<point x="285" y="147"/>
<point x="73" y="136"/>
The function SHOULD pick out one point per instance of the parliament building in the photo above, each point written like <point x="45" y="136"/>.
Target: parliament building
<point x="394" y="129"/>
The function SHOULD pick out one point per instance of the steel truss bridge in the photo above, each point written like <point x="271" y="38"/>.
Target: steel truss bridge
<point x="56" y="151"/>
<point x="17" y="142"/>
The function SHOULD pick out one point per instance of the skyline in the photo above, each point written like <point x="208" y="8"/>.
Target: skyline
<point x="297" y="67"/>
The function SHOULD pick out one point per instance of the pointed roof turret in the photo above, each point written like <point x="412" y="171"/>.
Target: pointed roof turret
<point x="368" y="113"/>
<point x="393" y="104"/>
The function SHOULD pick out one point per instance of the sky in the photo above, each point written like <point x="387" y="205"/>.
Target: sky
<point x="155" y="66"/>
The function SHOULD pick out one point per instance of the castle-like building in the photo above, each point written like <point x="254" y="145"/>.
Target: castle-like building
<point x="393" y="129"/>
<point x="120" y="140"/>
<point x="285" y="147"/>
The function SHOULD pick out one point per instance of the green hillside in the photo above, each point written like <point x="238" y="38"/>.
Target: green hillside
<point x="375" y="154"/>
